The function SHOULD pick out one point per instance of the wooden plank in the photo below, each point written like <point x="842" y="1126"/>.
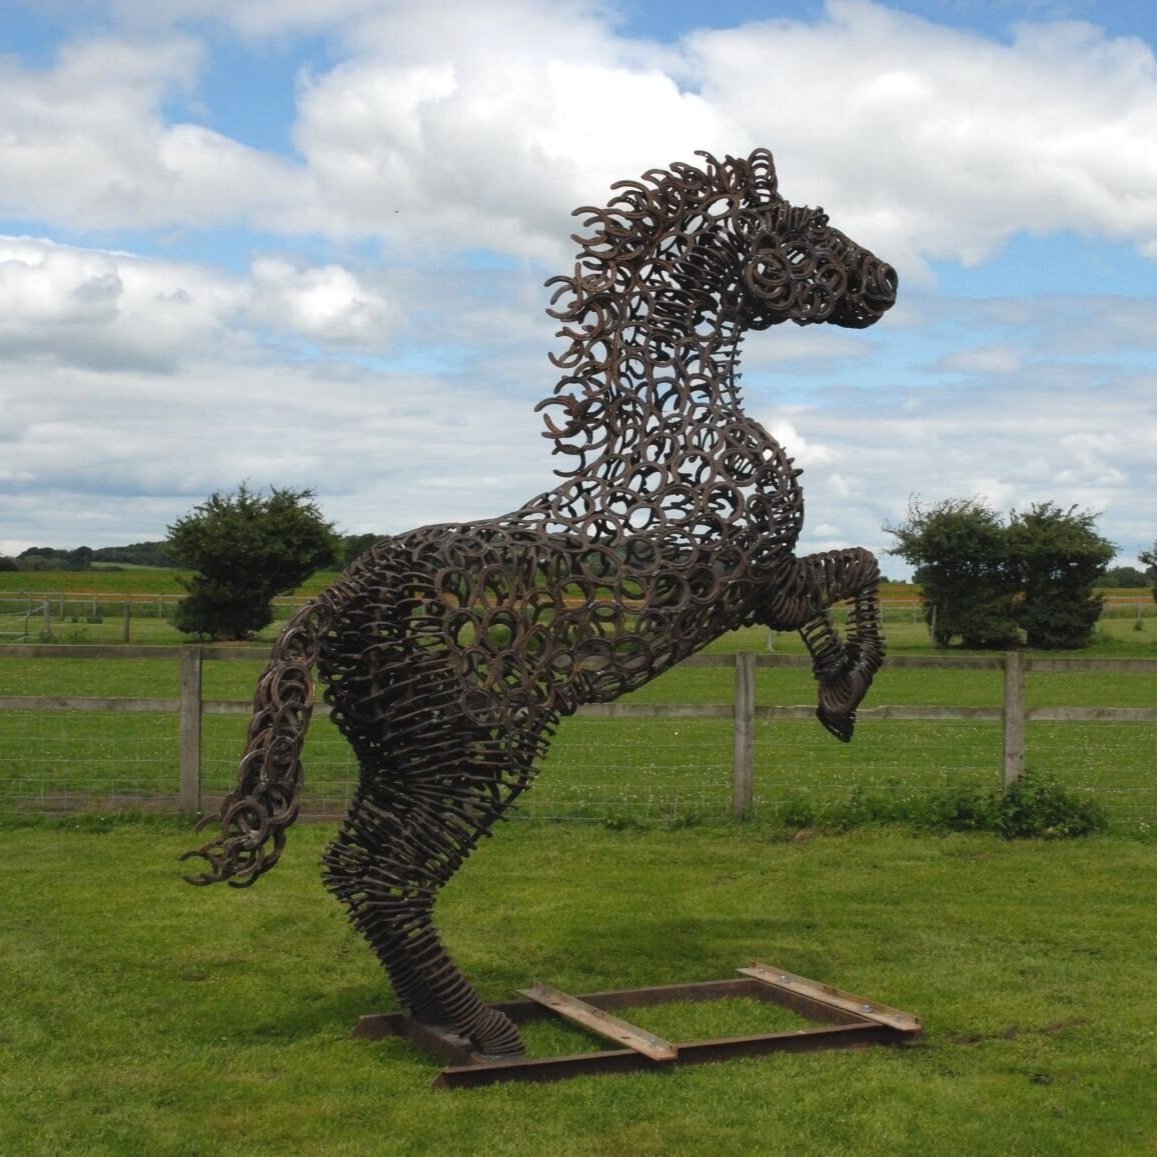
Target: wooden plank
<point x="601" y="1023"/>
<point x="904" y="711"/>
<point x="656" y="711"/>
<point x="86" y="703"/>
<point x="189" y="795"/>
<point x="794" y="711"/>
<point x="79" y="651"/>
<point x="805" y="711"/>
<point x="547" y="1069"/>
<point x="857" y="1006"/>
<point x="1092" y="714"/>
<point x="964" y="662"/>
<point x="1138" y="666"/>
<point x="1013" y="717"/>
<point x="911" y="712"/>
<point x="246" y="652"/>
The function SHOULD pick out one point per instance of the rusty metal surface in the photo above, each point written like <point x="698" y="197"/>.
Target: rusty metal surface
<point x="450" y="653"/>
<point x="842" y="1021"/>
<point x="601" y="1022"/>
<point x="544" y="1069"/>
<point x="791" y="987"/>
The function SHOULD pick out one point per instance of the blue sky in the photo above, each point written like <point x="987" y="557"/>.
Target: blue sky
<point x="304" y="245"/>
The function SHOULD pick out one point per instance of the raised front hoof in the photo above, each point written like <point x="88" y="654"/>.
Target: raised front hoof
<point x="841" y="726"/>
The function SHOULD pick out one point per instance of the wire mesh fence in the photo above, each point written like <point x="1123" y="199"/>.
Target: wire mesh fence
<point x="55" y="763"/>
<point x="87" y="753"/>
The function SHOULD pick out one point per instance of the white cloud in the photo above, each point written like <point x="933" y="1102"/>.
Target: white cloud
<point x="85" y="142"/>
<point x="461" y="124"/>
<point x="434" y="130"/>
<point x="102" y="309"/>
<point x="327" y="304"/>
<point x="485" y="125"/>
<point x="806" y="453"/>
<point x="936" y="143"/>
<point x="995" y="359"/>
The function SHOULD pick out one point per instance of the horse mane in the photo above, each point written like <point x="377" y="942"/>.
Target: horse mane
<point x="652" y="312"/>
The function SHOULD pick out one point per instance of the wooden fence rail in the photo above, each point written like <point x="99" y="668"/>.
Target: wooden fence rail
<point x="191" y="707"/>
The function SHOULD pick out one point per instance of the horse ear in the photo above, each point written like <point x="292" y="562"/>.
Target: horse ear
<point x="761" y="174"/>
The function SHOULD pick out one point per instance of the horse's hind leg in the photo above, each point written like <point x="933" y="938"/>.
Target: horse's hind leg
<point x="388" y="873"/>
<point x="843" y="668"/>
<point x="410" y="828"/>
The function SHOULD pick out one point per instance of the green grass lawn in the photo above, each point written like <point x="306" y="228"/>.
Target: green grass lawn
<point x="141" y="1016"/>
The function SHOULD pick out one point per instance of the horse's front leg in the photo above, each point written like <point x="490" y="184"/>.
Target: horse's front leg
<point x="843" y="668"/>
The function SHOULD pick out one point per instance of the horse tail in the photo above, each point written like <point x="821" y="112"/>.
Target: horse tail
<point x="254" y="816"/>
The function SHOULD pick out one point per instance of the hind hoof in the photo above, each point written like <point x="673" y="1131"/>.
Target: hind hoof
<point x="497" y="1037"/>
<point x="841" y="726"/>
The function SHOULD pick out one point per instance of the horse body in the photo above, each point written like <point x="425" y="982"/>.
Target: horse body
<point x="451" y="653"/>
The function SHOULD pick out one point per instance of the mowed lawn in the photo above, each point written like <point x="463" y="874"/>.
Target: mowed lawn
<point x="141" y="1016"/>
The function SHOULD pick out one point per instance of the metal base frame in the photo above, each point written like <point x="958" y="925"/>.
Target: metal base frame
<point x="844" y="1020"/>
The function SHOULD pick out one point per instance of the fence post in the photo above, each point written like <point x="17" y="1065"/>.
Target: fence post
<point x="742" y="776"/>
<point x="190" y="793"/>
<point x="1013" y="716"/>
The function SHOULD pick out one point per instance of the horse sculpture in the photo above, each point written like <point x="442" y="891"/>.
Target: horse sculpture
<point x="450" y="653"/>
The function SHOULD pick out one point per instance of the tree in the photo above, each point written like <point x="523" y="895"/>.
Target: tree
<point x="355" y="545"/>
<point x="1149" y="558"/>
<point x="246" y="549"/>
<point x="80" y="559"/>
<point x="959" y="551"/>
<point x="135" y="554"/>
<point x="985" y="580"/>
<point x="1128" y="577"/>
<point x="1056" y="557"/>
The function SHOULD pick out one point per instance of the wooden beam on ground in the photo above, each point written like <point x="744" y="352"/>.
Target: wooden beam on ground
<point x="859" y="1007"/>
<point x="846" y="1021"/>
<point x="601" y="1023"/>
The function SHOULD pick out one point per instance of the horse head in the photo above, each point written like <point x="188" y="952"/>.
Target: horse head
<point x="767" y="261"/>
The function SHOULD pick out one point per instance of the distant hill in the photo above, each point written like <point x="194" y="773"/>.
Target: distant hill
<point x="42" y="558"/>
<point x="136" y="554"/>
<point x="46" y="558"/>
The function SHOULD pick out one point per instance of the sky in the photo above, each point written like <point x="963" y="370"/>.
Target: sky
<point x="304" y="245"/>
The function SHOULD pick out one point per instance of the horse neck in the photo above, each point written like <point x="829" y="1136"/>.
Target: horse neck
<point x="648" y="387"/>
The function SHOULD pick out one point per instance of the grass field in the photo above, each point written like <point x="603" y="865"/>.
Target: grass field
<point x="140" y="1016"/>
<point x="88" y="607"/>
<point x="138" y="581"/>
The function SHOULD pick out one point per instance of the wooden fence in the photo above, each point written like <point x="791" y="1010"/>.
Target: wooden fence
<point x="191" y="707"/>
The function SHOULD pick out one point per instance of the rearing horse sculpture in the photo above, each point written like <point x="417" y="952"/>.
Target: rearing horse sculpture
<point x="450" y="653"/>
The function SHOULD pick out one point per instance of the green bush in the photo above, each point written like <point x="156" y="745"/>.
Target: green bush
<point x="1035" y="807"/>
